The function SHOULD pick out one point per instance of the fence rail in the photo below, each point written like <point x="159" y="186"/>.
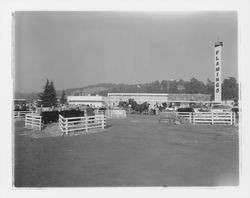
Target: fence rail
<point x="33" y="121"/>
<point x="115" y="113"/>
<point x="199" y="117"/>
<point x="74" y="124"/>
<point x="21" y="114"/>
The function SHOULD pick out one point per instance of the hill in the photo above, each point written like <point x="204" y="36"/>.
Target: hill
<point x="193" y="86"/>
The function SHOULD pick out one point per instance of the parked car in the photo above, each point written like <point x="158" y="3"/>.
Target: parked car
<point x="204" y="109"/>
<point x="235" y="109"/>
<point x="170" y="109"/>
<point x="200" y="108"/>
<point x="219" y="108"/>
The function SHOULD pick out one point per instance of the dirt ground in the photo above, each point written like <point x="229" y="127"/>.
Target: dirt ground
<point x="135" y="151"/>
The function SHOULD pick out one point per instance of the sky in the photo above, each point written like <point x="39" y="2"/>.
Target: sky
<point x="77" y="49"/>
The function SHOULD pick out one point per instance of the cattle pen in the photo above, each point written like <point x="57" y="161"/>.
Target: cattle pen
<point x="199" y="117"/>
<point x="75" y="124"/>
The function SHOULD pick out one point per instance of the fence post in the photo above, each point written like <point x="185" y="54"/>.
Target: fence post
<point x="86" y="123"/>
<point x="25" y="120"/>
<point x="231" y="118"/>
<point x="32" y="121"/>
<point x="40" y="123"/>
<point x="194" y="118"/>
<point x="59" y="121"/>
<point x="212" y="114"/>
<point x="190" y="118"/>
<point x="102" y="121"/>
<point x="234" y="117"/>
<point x="66" y="131"/>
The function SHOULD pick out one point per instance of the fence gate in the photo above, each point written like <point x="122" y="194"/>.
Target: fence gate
<point x="33" y="121"/>
<point x="214" y="118"/>
<point x="21" y="114"/>
<point x="115" y="113"/>
<point x="75" y="124"/>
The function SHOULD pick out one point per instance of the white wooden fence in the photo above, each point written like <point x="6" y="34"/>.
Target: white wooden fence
<point x="74" y="124"/>
<point x="33" y="121"/>
<point x="214" y="118"/>
<point x="21" y="114"/>
<point x="115" y="113"/>
<point x="200" y="117"/>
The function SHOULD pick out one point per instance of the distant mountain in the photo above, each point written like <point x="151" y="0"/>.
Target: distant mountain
<point x="91" y="89"/>
<point x="102" y="89"/>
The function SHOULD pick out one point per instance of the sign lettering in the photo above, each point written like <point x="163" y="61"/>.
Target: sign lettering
<point x="217" y="78"/>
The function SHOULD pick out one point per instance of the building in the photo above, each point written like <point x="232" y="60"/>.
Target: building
<point x="96" y="101"/>
<point x="113" y="99"/>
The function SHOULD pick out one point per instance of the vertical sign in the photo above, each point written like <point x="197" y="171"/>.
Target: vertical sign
<point x="217" y="79"/>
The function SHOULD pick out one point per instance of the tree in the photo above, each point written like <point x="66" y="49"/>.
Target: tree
<point x="53" y="99"/>
<point x="44" y="97"/>
<point x="63" y="99"/>
<point x="154" y="87"/>
<point x="210" y="88"/>
<point x="164" y="85"/>
<point x="170" y="86"/>
<point x="173" y="86"/>
<point x="195" y="87"/>
<point x="48" y="97"/>
<point x="230" y="89"/>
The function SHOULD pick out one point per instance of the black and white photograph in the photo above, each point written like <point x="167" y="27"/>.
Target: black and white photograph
<point x="103" y="99"/>
<point x="126" y="99"/>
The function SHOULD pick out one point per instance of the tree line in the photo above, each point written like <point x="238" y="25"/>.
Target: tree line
<point x="230" y="89"/>
<point x="193" y="86"/>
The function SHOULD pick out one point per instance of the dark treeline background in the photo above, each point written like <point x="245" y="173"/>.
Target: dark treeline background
<point x="193" y="86"/>
<point x="230" y="88"/>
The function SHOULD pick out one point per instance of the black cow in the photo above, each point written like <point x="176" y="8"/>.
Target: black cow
<point x="72" y="113"/>
<point x="187" y="109"/>
<point x="50" y="116"/>
<point x="53" y="116"/>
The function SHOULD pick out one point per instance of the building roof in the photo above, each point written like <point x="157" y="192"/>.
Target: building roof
<point x="152" y="94"/>
<point x="138" y="94"/>
<point x="85" y="98"/>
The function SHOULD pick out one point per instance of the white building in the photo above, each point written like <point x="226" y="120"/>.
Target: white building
<point x="113" y="99"/>
<point x="96" y="101"/>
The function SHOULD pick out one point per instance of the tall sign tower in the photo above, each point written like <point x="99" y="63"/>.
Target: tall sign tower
<point x="217" y="78"/>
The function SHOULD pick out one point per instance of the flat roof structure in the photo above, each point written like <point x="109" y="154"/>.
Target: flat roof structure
<point x="138" y="94"/>
<point x="154" y="98"/>
<point x="97" y="101"/>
